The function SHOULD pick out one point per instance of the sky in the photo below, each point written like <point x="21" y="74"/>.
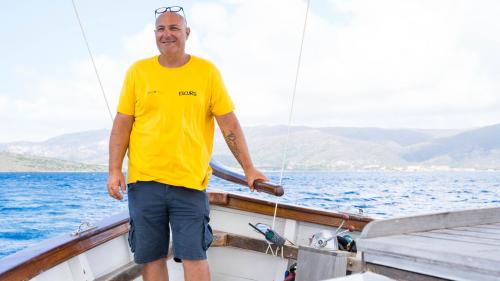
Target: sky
<point x="389" y="64"/>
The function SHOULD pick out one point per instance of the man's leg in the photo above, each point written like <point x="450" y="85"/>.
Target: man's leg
<point x="155" y="270"/>
<point x="196" y="270"/>
<point x="191" y="233"/>
<point x="149" y="230"/>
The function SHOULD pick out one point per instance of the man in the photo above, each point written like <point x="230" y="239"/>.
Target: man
<point x="166" y="120"/>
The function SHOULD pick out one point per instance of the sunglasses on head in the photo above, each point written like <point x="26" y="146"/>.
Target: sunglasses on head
<point x="172" y="9"/>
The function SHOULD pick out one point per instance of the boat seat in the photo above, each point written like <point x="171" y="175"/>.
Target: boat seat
<point x="453" y="245"/>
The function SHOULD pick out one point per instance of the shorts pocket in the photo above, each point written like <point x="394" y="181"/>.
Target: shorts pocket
<point x="131" y="236"/>
<point x="207" y="234"/>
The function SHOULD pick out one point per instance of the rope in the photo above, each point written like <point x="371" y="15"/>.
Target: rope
<point x="285" y="149"/>
<point x="92" y="59"/>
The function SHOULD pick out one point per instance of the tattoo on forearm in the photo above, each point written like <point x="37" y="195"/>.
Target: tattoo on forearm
<point x="231" y="141"/>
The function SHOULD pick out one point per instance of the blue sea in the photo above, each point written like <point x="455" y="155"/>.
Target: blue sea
<point x="37" y="206"/>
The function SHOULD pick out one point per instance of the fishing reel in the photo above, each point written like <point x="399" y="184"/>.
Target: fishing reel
<point x="341" y="240"/>
<point x="320" y="240"/>
<point x="272" y="238"/>
<point x="270" y="235"/>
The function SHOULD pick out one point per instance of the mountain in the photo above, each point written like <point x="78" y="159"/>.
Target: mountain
<point x="479" y="148"/>
<point x="333" y="148"/>
<point x="89" y="147"/>
<point x="329" y="147"/>
<point x="10" y="162"/>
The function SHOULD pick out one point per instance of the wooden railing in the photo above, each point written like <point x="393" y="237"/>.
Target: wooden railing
<point x="225" y="173"/>
<point x="32" y="261"/>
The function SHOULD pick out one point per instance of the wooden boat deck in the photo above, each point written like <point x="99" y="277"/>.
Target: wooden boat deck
<point x="462" y="245"/>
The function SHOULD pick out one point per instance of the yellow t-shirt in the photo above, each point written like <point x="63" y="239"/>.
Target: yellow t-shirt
<point x="174" y="108"/>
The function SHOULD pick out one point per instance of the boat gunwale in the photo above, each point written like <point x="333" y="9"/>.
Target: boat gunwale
<point x="288" y="211"/>
<point x="46" y="254"/>
<point x="33" y="260"/>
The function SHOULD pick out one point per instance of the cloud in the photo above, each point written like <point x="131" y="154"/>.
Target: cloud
<point x="70" y="100"/>
<point x="63" y="103"/>
<point x="385" y="59"/>
<point x="432" y="64"/>
<point x="141" y="44"/>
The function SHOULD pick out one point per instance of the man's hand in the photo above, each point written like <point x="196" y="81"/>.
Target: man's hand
<point x="253" y="175"/>
<point x="115" y="181"/>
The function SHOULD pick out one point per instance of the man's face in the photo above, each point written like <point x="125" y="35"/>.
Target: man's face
<point x="171" y="34"/>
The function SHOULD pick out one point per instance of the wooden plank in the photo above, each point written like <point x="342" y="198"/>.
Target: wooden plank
<point x="398" y="274"/>
<point x="479" y="229"/>
<point x="431" y="222"/>
<point x="462" y="245"/>
<point x="493" y="226"/>
<point x="469" y="233"/>
<point x="219" y="239"/>
<point x="446" y="236"/>
<point x="449" y="252"/>
<point x="429" y="267"/>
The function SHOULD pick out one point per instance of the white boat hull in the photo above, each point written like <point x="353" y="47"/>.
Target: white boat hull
<point x="229" y="260"/>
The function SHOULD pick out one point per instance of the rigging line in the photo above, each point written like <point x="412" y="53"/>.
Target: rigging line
<point x="285" y="149"/>
<point x="92" y="59"/>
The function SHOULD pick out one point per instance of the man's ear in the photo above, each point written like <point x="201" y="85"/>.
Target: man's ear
<point x="188" y="31"/>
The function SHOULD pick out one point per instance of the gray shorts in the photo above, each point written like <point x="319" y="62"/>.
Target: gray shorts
<point x="153" y="207"/>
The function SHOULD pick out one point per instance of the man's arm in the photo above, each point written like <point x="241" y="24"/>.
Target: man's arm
<point x="118" y="144"/>
<point x="235" y="140"/>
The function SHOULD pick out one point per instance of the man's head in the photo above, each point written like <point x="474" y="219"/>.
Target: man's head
<point x="171" y="33"/>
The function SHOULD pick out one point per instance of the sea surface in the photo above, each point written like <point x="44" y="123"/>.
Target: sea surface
<point x="37" y="206"/>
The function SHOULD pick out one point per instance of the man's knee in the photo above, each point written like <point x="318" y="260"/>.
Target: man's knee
<point x="155" y="270"/>
<point x="157" y="265"/>
<point x="195" y="265"/>
<point x="196" y="270"/>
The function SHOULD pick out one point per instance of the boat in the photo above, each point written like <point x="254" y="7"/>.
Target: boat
<point x="238" y="252"/>
<point x="307" y="243"/>
<point x="249" y="240"/>
<point x="458" y="245"/>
